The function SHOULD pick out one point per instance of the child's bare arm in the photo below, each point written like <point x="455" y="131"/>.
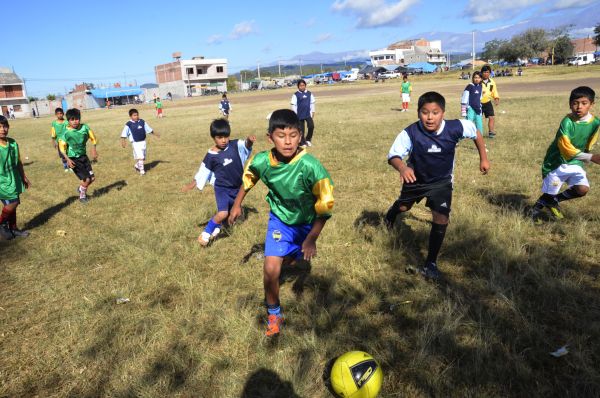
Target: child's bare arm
<point x="22" y="173"/>
<point x="309" y="246"/>
<point x="250" y="140"/>
<point x="189" y="187"/>
<point x="94" y="153"/>
<point x="484" y="164"/>
<point x="123" y="142"/>
<point x="596" y="158"/>
<point x="407" y="174"/>
<point x="236" y="208"/>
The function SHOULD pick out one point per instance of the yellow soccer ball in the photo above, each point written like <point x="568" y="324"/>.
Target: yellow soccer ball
<point x="356" y="374"/>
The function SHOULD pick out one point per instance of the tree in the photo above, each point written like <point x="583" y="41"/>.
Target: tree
<point x="490" y="49"/>
<point x="51" y="97"/>
<point x="535" y="41"/>
<point x="597" y="35"/>
<point x="563" y="48"/>
<point x="31" y="99"/>
<point x="232" y="83"/>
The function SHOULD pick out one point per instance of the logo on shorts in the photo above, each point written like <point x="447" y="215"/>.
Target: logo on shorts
<point x="435" y="149"/>
<point x="276" y="235"/>
<point x="227" y="161"/>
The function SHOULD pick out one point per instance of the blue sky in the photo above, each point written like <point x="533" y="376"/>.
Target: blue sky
<point x="57" y="44"/>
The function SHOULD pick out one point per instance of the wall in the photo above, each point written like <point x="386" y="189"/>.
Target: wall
<point x="45" y="107"/>
<point x="168" y="72"/>
<point x="177" y="89"/>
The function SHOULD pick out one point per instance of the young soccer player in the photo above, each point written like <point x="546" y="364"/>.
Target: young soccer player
<point x="57" y="130"/>
<point x="73" y="147"/>
<point x="12" y="183"/>
<point x="406" y="89"/>
<point x="303" y="103"/>
<point x="159" y="107"/>
<point x="222" y="166"/>
<point x="565" y="157"/>
<point x="225" y="106"/>
<point x="471" y="101"/>
<point x="489" y="93"/>
<point x="136" y="130"/>
<point x="300" y="197"/>
<point x="429" y="145"/>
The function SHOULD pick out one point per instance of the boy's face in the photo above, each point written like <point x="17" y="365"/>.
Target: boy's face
<point x="286" y="141"/>
<point x="581" y="106"/>
<point x="302" y="86"/>
<point x="135" y="117"/>
<point x="476" y="79"/>
<point x="3" y="131"/>
<point x="74" y="123"/>
<point x="221" y="141"/>
<point x="485" y="75"/>
<point x="431" y="116"/>
<point x="60" y="115"/>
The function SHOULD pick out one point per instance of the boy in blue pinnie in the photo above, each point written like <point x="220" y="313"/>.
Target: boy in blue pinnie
<point x="223" y="167"/>
<point x="136" y="130"/>
<point x="225" y="106"/>
<point x="471" y="101"/>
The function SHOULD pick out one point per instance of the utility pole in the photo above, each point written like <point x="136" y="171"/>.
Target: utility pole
<point x="473" y="65"/>
<point x="300" y="61"/>
<point x="258" y="70"/>
<point x="321" y="68"/>
<point x="279" y="66"/>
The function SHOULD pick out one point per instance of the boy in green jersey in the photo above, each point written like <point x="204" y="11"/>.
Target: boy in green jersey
<point x="12" y="183"/>
<point x="577" y="133"/>
<point x="158" y="105"/>
<point x="300" y="197"/>
<point x="73" y="148"/>
<point x="406" y="89"/>
<point x="58" y="129"/>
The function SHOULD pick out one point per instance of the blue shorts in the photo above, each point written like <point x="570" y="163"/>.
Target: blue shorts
<point x="10" y="201"/>
<point x="225" y="197"/>
<point x="285" y="240"/>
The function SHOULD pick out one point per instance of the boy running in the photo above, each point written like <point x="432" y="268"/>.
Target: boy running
<point x="406" y="89"/>
<point x="136" y="130"/>
<point x="159" y="105"/>
<point x="489" y="93"/>
<point x="225" y="106"/>
<point x="12" y="183"/>
<point x="57" y="130"/>
<point x="430" y="145"/>
<point x="300" y="197"/>
<point x="73" y="147"/>
<point x="222" y="166"/>
<point x="565" y="157"/>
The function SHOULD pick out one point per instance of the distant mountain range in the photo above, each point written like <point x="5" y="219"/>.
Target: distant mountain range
<point x="582" y="21"/>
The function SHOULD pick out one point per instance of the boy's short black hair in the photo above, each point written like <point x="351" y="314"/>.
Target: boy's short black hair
<point x="476" y="73"/>
<point x="220" y="128"/>
<point x="58" y="110"/>
<point x="224" y="95"/>
<point x="432" y="97"/>
<point x="582" y="91"/>
<point x="486" y="68"/>
<point x="132" y="111"/>
<point x="301" y="81"/>
<point x="3" y="121"/>
<point x="283" y="118"/>
<point x="73" y="113"/>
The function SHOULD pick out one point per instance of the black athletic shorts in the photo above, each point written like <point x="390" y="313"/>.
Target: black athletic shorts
<point x="438" y="194"/>
<point x="83" y="167"/>
<point x="488" y="109"/>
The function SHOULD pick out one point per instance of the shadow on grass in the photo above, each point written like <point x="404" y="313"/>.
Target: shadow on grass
<point x="150" y="165"/>
<point x="515" y="202"/>
<point x="118" y="185"/>
<point x="265" y="383"/>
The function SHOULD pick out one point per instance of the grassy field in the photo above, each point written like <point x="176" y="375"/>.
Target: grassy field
<point x="194" y="327"/>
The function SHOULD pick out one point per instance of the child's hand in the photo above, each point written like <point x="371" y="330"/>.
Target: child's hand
<point x="123" y="143"/>
<point x="596" y="158"/>
<point x="156" y="135"/>
<point x="484" y="166"/>
<point x="26" y="182"/>
<point x="408" y="175"/>
<point x="309" y="248"/>
<point x="188" y="187"/>
<point x="234" y="213"/>
<point x="250" y="141"/>
<point x="70" y="163"/>
<point x="94" y="154"/>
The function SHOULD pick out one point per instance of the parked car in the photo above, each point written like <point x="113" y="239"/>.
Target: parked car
<point x="389" y="75"/>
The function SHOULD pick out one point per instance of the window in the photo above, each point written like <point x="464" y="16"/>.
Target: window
<point x="189" y="71"/>
<point x="219" y="69"/>
<point x="199" y="70"/>
<point x="17" y="108"/>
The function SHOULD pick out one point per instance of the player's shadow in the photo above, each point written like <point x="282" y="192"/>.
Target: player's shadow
<point x="43" y="217"/>
<point x="257" y="250"/>
<point x="28" y="163"/>
<point x="367" y="221"/>
<point x="264" y="383"/>
<point x="149" y="166"/>
<point x="297" y="274"/>
<point x="118" y="185"/>
<point x="513" y="201"/>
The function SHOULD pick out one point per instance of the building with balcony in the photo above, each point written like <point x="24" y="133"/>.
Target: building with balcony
<point x="13" y="98"/>
<point x="191" y="77"/>
<point x="410" y="51"/>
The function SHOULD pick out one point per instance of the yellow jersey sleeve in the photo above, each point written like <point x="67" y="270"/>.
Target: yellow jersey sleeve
<point x="92" y="137"/>
<point x="62" y="146"/>
<point x="323" y="191"/>
<point x="249" y="178"/>
<point x="52" y="132"/>
<point x="566" y="148"/>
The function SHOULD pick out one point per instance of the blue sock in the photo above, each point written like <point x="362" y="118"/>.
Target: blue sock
<point x="210" y="227"/>
<point x="274" y="309"/>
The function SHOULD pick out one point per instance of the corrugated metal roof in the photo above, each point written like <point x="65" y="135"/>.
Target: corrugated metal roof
<point x="21" y="101"/>
<point x="115" y="92"/>
<point x="10" y="78"/>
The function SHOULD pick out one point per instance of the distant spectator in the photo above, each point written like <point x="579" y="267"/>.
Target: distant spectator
<point x="303" y="104"/>
<point x="34" y="113"/>
<point x="490" y="92"/>
<point x="11" y="113"/>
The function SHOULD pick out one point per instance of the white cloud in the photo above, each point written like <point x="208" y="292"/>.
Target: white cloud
<point x="214" y="39"/>
<point x="583" y="32"/>
<point x="480" y="12"/>
<point x="323" y="37"/>
<point x="374" y="13"/>
<point x="564" y="4"/>
<point x="242" y="29"/>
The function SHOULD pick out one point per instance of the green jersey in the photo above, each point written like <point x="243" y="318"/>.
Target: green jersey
<point x="11" y="182"/>
<point x="572" y="138"/>
<point x="58" y="129"/>
<point x="299" y="191"/>
<point x="74" y="141"/>
<point x="406" y="87"/>
<point x="158" y="105"/>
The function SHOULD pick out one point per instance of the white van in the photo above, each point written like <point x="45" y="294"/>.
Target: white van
<point x="581" y="59"/>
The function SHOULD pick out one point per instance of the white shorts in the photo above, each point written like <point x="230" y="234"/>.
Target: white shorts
<point x="139" y="150"/>
<point x="571" y="174"/>
<point x="405" y="97"/>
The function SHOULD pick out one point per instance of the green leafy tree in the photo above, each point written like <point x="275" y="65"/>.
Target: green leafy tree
<point x="232" y="83"/>
<point x="31" y="99"/>
<point x="597" y="35"/>
<point x="51" y="97"/>
<point x="563" y="49"/>
<point x="534" y="41"/>
<point x="490" y="49"/>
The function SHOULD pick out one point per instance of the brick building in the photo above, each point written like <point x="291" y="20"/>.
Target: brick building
<point x="12" y="94"/>
<point x="196" y="76"/>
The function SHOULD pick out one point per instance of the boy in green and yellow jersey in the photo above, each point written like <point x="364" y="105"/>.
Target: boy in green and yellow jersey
<point x="73" y="148"/>
<point x="56" y="132"/>
<point x="565" y="157"/>
<point x="300" y="197"/>
<point x="12" y="183"/>
<point x="489" y="93"/>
